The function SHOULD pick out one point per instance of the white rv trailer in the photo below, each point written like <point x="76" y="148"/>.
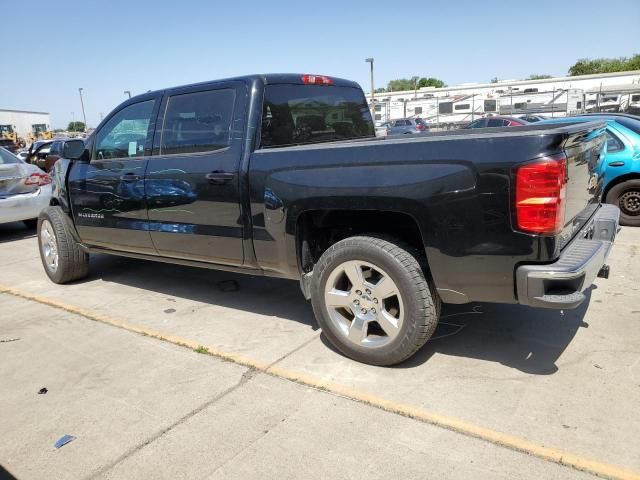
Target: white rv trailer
<point x="614" y="98"/>
<point x="392" y="105"/>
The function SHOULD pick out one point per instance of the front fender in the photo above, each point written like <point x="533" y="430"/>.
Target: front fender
<point x="60" y="193"/>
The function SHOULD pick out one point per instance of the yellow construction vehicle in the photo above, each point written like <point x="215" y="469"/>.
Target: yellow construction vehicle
<point x="9" y="138"/>
<point x="40" y="131"/>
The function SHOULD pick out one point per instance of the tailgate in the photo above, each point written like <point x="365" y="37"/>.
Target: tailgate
<point x="585" y="151"/>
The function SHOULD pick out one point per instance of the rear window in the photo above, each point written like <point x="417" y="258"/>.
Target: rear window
<point x="6" y="157"/>
<point x="303" y="114"/>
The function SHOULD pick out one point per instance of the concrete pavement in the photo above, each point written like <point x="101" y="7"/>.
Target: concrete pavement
<point x="567" y="381"/>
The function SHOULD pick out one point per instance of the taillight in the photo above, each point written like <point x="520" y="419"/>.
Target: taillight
<point x="420" y="127"/>
<point x="316" y="80"/>
<point x="39" y="179"/>
<point x="540" y="195"/>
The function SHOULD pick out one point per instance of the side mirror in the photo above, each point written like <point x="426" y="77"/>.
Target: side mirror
<point x="75" y="150"/>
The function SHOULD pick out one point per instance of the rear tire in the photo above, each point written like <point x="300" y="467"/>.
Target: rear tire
<point x="372" y="300"/>
<point x="626" y="196"/>
<point x="62" y="257"/>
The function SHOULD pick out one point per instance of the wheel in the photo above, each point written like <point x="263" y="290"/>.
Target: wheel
<point x="626" y="196"/>
<point x="62" y="257"/>
<point x="31" y="223"/>
<point x="372" y="300"/>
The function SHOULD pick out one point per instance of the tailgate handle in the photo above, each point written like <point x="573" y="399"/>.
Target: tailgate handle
<point x="219" y="178"/>
<point x="130" y="177"/>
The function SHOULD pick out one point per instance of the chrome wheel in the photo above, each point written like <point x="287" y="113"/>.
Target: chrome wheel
<point x="49" y="246"/>
<point x="364" y="304"/>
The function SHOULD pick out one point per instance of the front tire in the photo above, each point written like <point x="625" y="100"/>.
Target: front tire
<point x="62" y="257"/>
<point x="626" y="196"/>
<point x="372" y="300"/>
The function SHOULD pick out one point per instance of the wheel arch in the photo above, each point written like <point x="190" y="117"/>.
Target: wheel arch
<point x="318" y="229"/>
<point x="617" y="181"/>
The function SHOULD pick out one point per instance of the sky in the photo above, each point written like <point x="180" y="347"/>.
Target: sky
<point x="107" y="47"/>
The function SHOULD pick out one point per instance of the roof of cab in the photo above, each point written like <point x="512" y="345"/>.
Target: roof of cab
<point x="266" y="79"/>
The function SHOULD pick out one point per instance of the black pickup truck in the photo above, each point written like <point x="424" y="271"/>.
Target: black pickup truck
<point x="282" y="175"/>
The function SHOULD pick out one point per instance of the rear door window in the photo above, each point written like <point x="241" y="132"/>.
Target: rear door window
<point x="495" y="122"/>
<point x="613" y="143"/>
<point x="126" y="133"/>
<point x="303" y="114"/>
<point x="197" y="122"/>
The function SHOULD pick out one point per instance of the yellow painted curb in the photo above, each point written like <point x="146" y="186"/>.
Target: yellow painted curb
<point x="450" y="423"/>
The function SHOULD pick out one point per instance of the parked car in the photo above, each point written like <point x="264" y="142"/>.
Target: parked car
<point x="532" y="118"/>
<point x="282" y="175"/>
<point x="24" y="190"/>
<point x="621" y="171"/>
<point x="632" y="122"/>
<point x="22" y="154"/>
<point x="403" y="126"/>
<point x="45" y="153"/>
<point x="496" y="121"/>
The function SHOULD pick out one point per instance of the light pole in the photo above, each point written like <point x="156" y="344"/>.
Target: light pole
<point x="373" y="99"/>
<point x="415" y="87"/>
<point x="127" y="92"/>
<point x="84" y="116"/>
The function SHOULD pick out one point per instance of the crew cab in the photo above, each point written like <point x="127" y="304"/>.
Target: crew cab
<point x="282" y="175"/>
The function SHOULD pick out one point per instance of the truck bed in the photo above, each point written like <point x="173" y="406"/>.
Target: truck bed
<point x="457" y="185"/>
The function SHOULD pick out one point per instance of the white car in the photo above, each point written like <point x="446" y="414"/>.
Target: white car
<point x="25" y="190"/>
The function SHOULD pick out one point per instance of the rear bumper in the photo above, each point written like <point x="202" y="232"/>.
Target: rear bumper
<point x="560" y="285"/>
<point x="26" y="206"/>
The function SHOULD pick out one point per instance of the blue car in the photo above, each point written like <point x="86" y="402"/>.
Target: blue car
<point x="622" y="166"/>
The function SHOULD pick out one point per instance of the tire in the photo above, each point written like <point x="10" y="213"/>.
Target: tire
<point x="72" y="261"/>
<point x="361" y="329"/>
<point x="626" y="196"/>
<point x="31" y="223"/>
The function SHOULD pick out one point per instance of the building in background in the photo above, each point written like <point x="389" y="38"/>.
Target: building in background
<point x="25" y="122"/>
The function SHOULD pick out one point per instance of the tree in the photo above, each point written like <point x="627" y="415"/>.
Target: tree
<point x="536" y="76"/>
<point x="380" y="90"/>
<point x="431" y="82"/>
<point x="494" y="80"/>
<point x="76" y="127"/>
<point x="408" y="84"/>
<point x="586" y="66"/>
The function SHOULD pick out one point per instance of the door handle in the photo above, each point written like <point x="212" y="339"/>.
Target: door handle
<point x="219" y="178"/>
<point x="130" y="177"/>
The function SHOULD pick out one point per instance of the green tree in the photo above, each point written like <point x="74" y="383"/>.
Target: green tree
<point x="400" y="84"/>
<point x="536" y="76"/>
<point x="494" y="80"/>
<point x="380" y="90"/>
<point x="431" y="82"/>
<point x="586" y="66"/>
<point x="408" y="84"/>
<point x="76" y="127"/>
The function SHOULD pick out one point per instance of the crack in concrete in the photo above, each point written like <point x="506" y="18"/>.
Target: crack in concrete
<point x="249" y="374"/>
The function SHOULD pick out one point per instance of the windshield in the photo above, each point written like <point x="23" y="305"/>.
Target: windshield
<point x="6" y="129"/>
<point x="302" y="114"/>
<point x="6" y="157"/>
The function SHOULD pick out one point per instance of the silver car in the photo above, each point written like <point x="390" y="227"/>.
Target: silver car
<point x="403" y="126"/>
<point x="24" y="190"/>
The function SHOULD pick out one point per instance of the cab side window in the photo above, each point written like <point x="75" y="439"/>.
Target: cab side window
<point x="126" y="133"/>
<point x="197" y="122"/>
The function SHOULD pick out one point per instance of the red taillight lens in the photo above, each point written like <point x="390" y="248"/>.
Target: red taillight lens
<point x="420" y="127"/>
<point x="39" y="179"/>
<point x="540" y="195"/>
<point x="316" y="80"/>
